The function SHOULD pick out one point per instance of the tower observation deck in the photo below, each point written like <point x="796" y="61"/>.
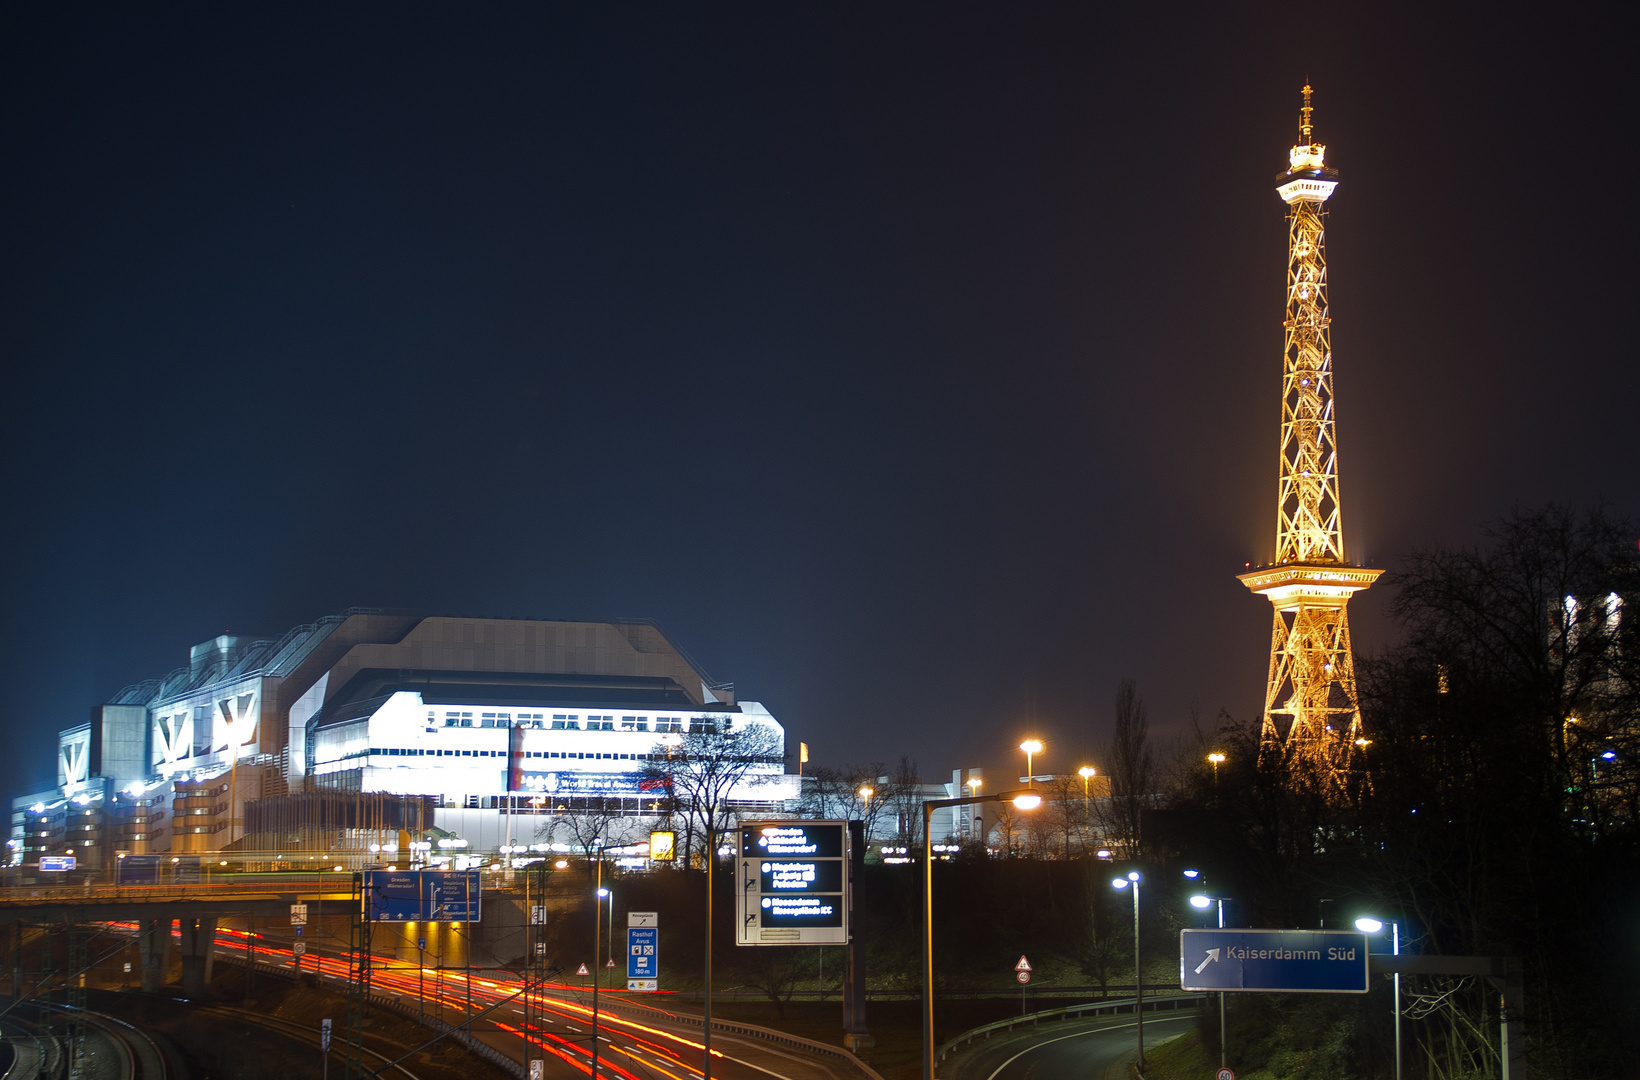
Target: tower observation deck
<point x="1312" y="719"/>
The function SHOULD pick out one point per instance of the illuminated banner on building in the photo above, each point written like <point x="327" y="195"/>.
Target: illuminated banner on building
<point x="422" y="895"/>
<point x="579" y="783"/>
<point x="793" y="883"/>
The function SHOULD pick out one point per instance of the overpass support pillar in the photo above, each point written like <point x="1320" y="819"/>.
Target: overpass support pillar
<point x="199" y="938"/>
<point x="154" y="939"/>
<point x="198" y="950"/>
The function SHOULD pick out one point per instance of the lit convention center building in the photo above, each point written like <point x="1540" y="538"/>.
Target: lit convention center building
<point x="473" y="732"/>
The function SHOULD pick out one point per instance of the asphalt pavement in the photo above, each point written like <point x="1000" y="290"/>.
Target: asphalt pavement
<point x="1067" y="1050"/>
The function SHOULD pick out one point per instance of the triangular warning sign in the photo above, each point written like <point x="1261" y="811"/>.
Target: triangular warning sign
<point x="582" y="970"/>
<point x="610" y="962"/>
<point x="1023" y="965"/>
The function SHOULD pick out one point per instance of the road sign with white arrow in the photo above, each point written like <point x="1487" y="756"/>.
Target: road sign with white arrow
<point x="1273" y="961"/>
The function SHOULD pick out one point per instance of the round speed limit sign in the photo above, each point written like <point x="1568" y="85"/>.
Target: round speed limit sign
<point x="1023" y="977"/>
<point x="1225" y="1074"/>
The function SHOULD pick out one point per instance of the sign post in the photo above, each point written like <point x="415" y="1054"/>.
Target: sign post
<point x="1274" y="961"/>
<point x="1022" y="974"/>
<point x="324" y="1045"/>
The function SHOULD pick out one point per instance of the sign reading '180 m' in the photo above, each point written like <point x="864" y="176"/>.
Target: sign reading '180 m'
<point x="793" y="883"/>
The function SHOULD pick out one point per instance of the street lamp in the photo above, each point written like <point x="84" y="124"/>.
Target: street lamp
<point x="865" y="797"/>
<point x="1086" y="772"/>
<point x="597" y="905"/>
<point x="977" y="825"/>
<point x="609" y="939"/>
<point x="1203" y="902"/>
<point x="1138" y="972"/>
<point x="1023" y="800"/>
<point x="1032" y="747"/>
<point x="1369" y="925"/>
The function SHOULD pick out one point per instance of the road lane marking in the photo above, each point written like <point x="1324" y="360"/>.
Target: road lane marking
<point x="1077" y="1035"/>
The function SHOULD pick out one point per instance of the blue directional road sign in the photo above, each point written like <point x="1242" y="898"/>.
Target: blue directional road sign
<point x="1274" y="961"/>
<point x="422" y="895"/>
<point x="642" y="953"/>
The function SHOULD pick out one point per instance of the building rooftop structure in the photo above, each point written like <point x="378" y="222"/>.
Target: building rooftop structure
<point x="458" y="713"/>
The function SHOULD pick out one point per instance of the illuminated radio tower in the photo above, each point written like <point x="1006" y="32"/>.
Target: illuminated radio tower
<point x="1311" y="716"/>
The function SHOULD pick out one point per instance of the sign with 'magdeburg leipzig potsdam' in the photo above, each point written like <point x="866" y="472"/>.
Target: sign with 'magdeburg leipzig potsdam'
<point x="793" y="887"/>
<point x="1274" y="961"/>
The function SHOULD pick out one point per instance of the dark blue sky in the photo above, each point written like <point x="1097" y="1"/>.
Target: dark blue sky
<point x="916" y="366"/>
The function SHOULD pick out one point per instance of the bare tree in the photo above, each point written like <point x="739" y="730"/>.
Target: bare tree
<point x="585" y="827"/>
<point x="705" y="765"/>
<point x="1009" y="830"/>
<point x="1063" y="809"/>
<point x="833" y="793"/>
<point x="776" y="971"/>
<point x="1131" y="766"/>
<point x="904" y="798"/>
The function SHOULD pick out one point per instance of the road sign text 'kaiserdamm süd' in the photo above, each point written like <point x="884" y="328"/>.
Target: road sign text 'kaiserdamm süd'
<point x="1274" y="961"/>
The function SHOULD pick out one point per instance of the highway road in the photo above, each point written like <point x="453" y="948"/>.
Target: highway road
<point x="638" y="1038"/>
<point x="1068" y="1050"/>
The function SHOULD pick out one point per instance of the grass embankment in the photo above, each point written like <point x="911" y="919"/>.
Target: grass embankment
<point x="217" y="1047"/>
<point x="896" y="1025"/>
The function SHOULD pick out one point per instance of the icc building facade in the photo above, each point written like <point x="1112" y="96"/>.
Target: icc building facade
<point x="456" y="735"/>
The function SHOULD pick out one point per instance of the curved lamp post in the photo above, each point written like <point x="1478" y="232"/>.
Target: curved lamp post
<point x="1368" y="925"/>
<point x="1202" y="902"/>
<point x="1138" y="971"/>
<point x="1024" y="800"/>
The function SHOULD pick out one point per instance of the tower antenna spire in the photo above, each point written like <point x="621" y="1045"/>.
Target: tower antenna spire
<point x="1312" y="714"/>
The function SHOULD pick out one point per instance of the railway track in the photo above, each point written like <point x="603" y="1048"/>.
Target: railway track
<point x="306" y="1035"/>
<point x="38" y="1054"/>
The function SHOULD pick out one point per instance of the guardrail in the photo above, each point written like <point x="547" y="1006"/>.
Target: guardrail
<point x="1011" y="990"/>
<point x="1171" y="1003"/>
<point x="335" y="886"/>
<point x="454" y="1032"/>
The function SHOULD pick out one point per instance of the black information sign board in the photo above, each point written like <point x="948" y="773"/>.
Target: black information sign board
<point x="793" y="883"/>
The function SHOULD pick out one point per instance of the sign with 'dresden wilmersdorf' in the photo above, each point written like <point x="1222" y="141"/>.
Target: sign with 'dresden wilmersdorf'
<point x="1274" y="961"/>
<point x="793" y="883"/>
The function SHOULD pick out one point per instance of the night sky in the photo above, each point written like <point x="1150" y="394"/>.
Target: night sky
<point x="915" y="366"/>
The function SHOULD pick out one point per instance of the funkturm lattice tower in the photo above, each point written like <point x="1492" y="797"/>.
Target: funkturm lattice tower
<point x="1312" y="720"/>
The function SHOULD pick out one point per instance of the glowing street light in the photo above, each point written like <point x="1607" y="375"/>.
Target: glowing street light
<point x="1202" y="902"/>
<point x="1138" y="973"/>
<point x="1369" y="925"/>
<point x="1032" y="747"/>
<point x="1086" y="772"/>
<point x="1022" y="800"/>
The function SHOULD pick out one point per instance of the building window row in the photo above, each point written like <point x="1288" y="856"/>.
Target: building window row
<point x="558" y="721"/>
<point x="412" y="751"/>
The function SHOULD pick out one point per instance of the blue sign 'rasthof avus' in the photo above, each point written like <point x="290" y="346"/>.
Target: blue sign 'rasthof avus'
<point x="1274" y="961"/>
